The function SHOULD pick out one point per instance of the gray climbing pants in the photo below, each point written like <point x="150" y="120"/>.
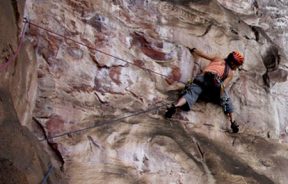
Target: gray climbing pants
<point x="205" y="88"/>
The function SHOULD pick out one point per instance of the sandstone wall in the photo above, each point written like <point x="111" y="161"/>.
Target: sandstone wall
<point x="78" y="87"/>
<point x="22" y="158"/>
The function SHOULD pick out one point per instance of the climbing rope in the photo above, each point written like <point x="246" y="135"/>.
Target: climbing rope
<point x="26" y="21"/>
<point x="97" y="50"/>
<point x="105" y="122"/>
<point x="13" y="57"/>
<point x="44" y="180"/>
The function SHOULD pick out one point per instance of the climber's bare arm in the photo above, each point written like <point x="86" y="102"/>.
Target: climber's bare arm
<point x="227" y="81"/>
<point x="199" y="53"/>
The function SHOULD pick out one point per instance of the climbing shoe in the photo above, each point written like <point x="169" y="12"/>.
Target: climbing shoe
<point x="234" y="127"/>
<point x="170" y="111"/>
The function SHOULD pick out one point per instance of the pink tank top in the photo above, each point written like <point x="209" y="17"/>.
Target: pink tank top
<point x="216" y="66"/>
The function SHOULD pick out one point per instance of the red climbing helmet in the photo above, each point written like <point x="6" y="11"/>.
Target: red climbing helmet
<point x="238" y="57"/>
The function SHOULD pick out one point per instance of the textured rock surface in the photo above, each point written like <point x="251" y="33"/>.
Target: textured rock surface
<point x="22" y="158"/>
<point x="80" y="87"/>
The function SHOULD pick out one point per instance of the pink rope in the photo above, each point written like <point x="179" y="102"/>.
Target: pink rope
<point x="13" y="57"/>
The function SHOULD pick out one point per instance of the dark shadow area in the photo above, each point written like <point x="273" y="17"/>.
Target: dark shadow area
<point x="20" y="150"/>
<point x="230" y="163"/>
<point x="271" y="60"/>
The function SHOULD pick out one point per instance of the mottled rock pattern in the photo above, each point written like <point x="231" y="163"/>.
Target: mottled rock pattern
<point x="22" y="157"/>
<point x="80" y="87"/>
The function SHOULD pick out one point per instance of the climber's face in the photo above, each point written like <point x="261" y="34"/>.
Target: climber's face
<point x="234" y="65"/>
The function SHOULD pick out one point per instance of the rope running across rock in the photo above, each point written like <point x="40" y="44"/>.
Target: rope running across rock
<point x="104" y="122"/>
<point x="13" y="57"/>
<point x="93" y="48"/>
<point x="97" y="50"/>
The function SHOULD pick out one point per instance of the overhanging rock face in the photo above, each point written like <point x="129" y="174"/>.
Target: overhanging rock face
<point x="124" y="57"/>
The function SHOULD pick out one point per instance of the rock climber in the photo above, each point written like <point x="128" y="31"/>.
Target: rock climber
<point x="211" y="84"/>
